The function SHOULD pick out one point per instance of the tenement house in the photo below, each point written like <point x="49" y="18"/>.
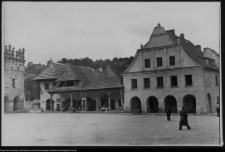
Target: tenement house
<point x="170" y="70"/>
<point x="13" y="79"/>
<point x="63" y="86"/>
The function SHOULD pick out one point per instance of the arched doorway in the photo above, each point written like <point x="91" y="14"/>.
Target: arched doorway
<point x="48" y="104"/>
<point x="172" y="102"/>
<point x="189" y="102"/>
<point x="209" y="102"/>
<point x="135" y="103"/>
<point x="152" y="105"/>
<point x="16" y="103"/>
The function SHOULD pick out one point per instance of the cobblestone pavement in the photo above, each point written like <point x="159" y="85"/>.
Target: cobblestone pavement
<point x="66" y="129"/>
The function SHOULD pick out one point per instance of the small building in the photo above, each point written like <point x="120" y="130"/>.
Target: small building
<point x="170" y="70"/>
<point x="84" y="88"/>
<point x="13" y="79"/>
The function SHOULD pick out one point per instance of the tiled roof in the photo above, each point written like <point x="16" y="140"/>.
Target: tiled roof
<point x="118" y="69"/>
<point x="190" y="50"/>
<point x="91" y="79"/>
<point x="53" y="71"/>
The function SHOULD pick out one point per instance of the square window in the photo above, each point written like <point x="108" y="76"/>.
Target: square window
<point x="172" y="60"/>
<point x="159" y="62"/>
<point x="173" y="80"/>
<point x="147" y="63"/>
<point x="188" y="80"/>
<point x="133" y="83"/>
<point x="146" y="83"/>
<point x="159" y="82"/>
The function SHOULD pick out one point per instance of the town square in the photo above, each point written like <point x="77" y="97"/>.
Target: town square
<point x="107" y="129"/>
<point x="108" y="74"/>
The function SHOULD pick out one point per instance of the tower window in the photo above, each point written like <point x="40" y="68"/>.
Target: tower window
<point x="11" y="68"/>
<point x="216" y="79"/>
<point x="13" y="83"/>
<point x="18" y="68"/>
<point x="46" y="86"/>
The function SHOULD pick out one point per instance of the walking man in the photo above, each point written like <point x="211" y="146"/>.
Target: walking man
<point x="183" y="119"/>
<point x="168" y="112"/>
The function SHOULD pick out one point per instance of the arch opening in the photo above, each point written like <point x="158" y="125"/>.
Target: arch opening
<point x="152" y="105"/>
<point x="135" y="103"/>
<point x="48" y="104"/>
<point x="172" y="102"/>
<point x="189" y="102"/>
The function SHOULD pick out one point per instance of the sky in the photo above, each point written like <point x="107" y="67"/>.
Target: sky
<point x="103" y="30"/>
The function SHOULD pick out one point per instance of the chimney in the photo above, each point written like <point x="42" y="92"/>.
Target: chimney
<point x="23" y="50"/>
<point x="171" y="32"/>
<point x="198" y="48"/>
<point x="182" y="35"/>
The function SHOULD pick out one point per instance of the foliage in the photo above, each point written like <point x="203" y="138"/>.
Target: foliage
<point x="97" y="63"/>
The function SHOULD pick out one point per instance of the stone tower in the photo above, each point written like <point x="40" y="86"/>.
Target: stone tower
<point x="13" y="79"/>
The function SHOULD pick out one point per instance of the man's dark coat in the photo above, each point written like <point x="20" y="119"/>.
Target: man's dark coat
<point x="183" y="118"/>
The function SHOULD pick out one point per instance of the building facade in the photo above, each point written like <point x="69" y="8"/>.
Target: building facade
<point x="13" y="79"/>
<point x="171" y="71"/>
<point x="84" y="88"/>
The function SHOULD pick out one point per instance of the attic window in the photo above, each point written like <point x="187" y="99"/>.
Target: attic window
<point x="69" y="83"/>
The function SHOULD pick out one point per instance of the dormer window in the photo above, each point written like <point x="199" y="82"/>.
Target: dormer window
<point x="70" y="83"/>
